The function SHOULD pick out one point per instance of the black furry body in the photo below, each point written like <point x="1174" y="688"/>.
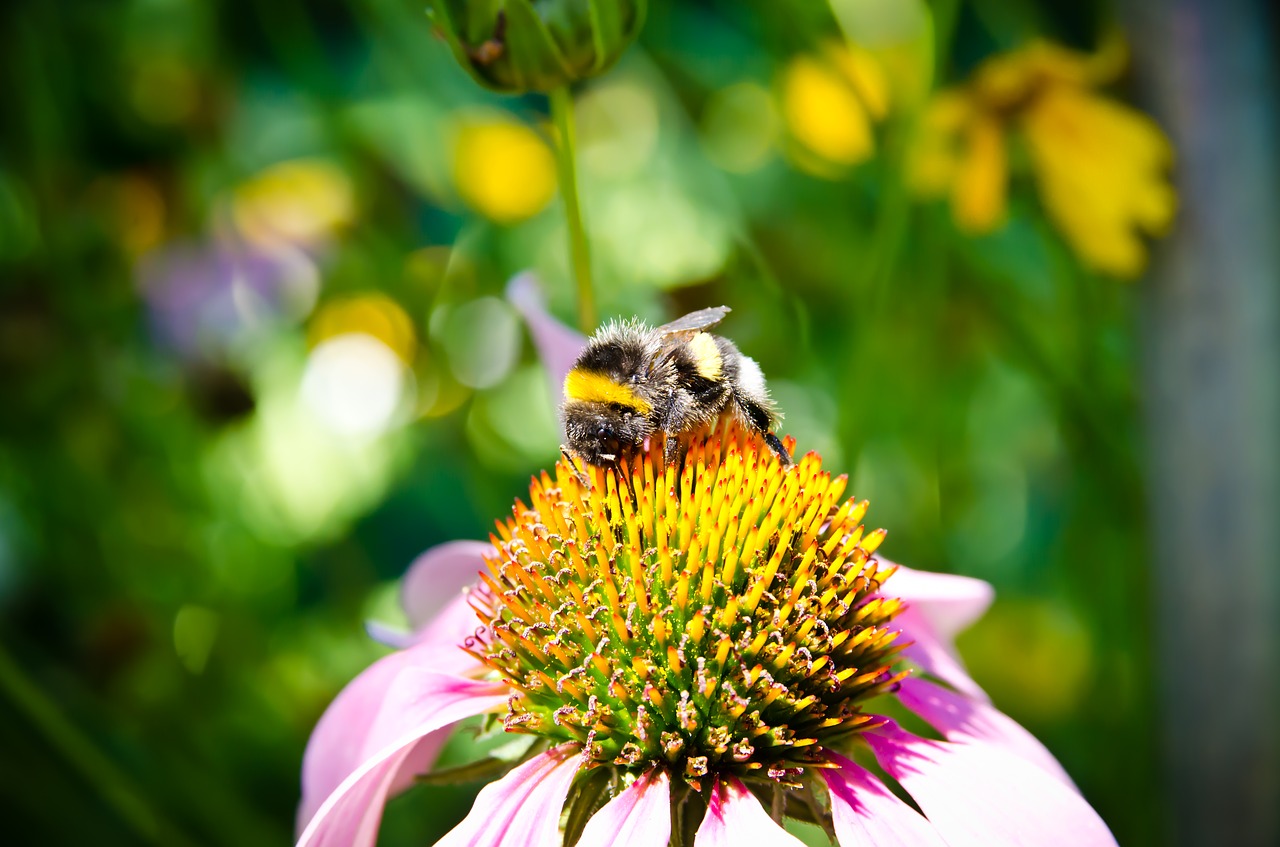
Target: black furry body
<point x="633" y="382"/>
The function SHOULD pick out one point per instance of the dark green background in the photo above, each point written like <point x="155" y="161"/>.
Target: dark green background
<point x="980" y="392"/>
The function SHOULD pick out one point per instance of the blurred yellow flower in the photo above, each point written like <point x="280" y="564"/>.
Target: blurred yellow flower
<point x="502" y="169"/>
<point x="1100" y="166"/>
<point x="299" y="202"/>
<point x="830" y="102"/>
<point x="374" y="315"/>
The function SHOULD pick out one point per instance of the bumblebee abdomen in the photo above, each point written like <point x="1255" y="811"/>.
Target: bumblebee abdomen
<point x="705" y="356"/>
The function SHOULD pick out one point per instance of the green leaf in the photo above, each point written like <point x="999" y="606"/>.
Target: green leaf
<point x="606" y="30"/>
<point x="516" y="749"/>
<point x="535" y="60"/>
<point x="481" y="770"/>
<point x="482" y="19"/>
<point x="461" y="53"/>
<point x="585" y="799"/>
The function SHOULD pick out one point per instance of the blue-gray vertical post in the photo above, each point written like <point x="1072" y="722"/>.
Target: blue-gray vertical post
<point x="1211" y="327"/>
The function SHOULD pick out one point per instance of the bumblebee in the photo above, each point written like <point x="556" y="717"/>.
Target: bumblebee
<point x="633" y="382"/>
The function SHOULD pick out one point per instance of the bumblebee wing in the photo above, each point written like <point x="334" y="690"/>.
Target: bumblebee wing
<point x="694" y="322"/>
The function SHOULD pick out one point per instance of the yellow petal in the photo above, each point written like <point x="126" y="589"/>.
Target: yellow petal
<point x="1010" y="79"/>
<point x="960" y="151"/>
<point x="1004" y="80"/>
<point x="978" y="194"/>
<point x="933" y="157"/>
<point x="829" y="103"/>
<point x="863" y="70"/>
<point x="1101" y="171"/>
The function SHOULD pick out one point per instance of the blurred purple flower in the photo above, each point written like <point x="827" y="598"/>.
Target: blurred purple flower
<point x="202" y="296"/>
<point x="558" y="345"/>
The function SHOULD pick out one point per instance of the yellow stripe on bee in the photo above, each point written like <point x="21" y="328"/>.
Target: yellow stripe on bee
<point x="706" y="355"/>
<point x="594" y="387"/>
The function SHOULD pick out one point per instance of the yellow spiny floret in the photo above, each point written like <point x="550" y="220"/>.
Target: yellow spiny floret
<point x="660" y="631"/>
<point x="697" y="627"/>
<point x="720" y="614"/>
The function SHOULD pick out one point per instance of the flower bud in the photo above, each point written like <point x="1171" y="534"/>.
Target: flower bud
<point x="536" y="45"/>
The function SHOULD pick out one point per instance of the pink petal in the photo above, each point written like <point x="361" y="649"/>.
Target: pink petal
<point x="333" y="751"/>
<point x="948" y="602"/>
<point x="865" y="812"/>
<point x="417" y="694"/>
<point x="450" y="629"/>
<point x="446" y="635"/>
<point x="933" y="654"/>
<point x="522" y="808"/>
<point x="976" y="793"/>
<point x="638" y="817"/>
<point x="335" y="747"/>
<point x="339" y="743"/>
<point x="349" y="816"/>
<point x="735" y="817"/>
<point x="960" y="718"/>
<point x="438" y="576"/>
<point x="558" y="346"/>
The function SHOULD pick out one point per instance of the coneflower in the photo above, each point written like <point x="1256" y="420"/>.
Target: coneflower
<point x="697" y="653"/>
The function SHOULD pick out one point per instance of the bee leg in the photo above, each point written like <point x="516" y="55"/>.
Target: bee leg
<point x="670" y="450"/>
<point x="577" y="470"/>
<point x="776" y="446"/>
<point x="758" y="418"/>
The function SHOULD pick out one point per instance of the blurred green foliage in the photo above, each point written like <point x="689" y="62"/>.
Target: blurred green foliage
<point x="255" y="356"/>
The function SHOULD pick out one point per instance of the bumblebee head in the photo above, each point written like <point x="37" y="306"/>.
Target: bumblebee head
<point x="602" y="432"/>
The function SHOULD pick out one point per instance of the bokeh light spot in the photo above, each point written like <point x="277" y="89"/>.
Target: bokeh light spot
<point x="617" y="128"/>
<point x="515" y="423"/>
<point x="355" y="383"/>
<point x="655" y="234"/>
<point x="372" y="314"/>
<point x="992" y="523"/>
<point x="205" y="298"/>
<point x="482" y="340"/>
<point x="299" y="201"/>
<point x="740" y="126"/>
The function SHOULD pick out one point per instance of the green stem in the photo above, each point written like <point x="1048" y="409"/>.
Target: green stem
<point x="99" y="771"/>
<point x="579" y="254"/>
<point x="891" y="229"/>
<point x="680" y="796"/>
<point x="945" y="14"/>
